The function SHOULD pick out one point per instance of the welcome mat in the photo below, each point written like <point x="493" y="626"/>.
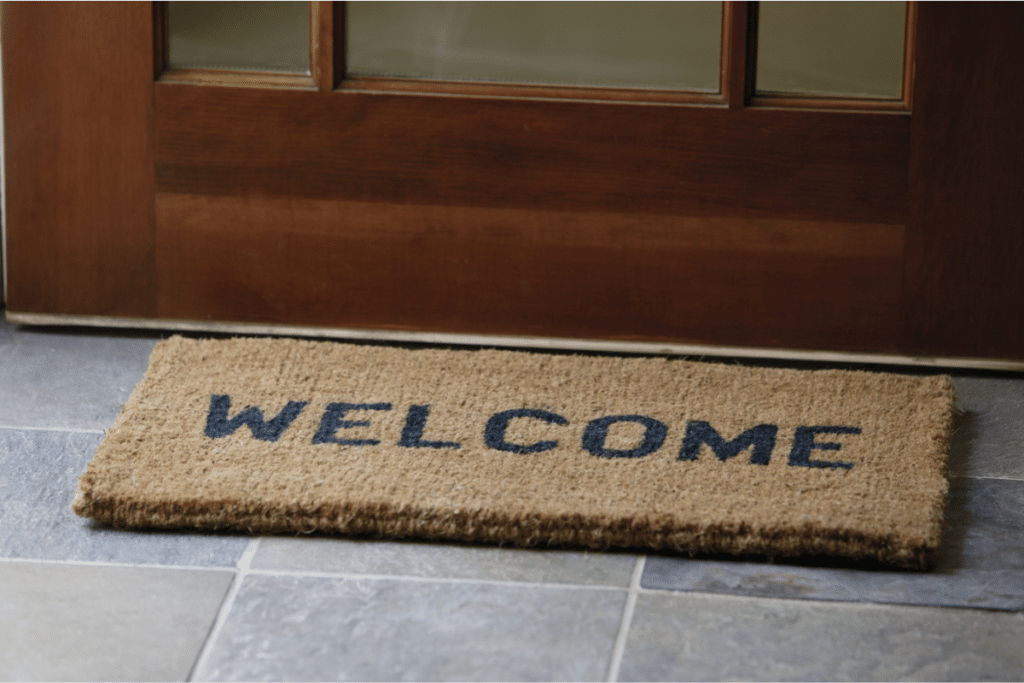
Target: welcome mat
<point x="278" y="435"/>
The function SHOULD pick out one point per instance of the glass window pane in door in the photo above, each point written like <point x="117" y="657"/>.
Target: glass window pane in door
<point x="260" y="36"/>
<point x="841" y="49"/>
<point x="672" y="45"/>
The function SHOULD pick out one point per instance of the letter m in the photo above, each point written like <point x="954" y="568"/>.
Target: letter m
<point x="218" y="424"/>
<point x="761" y="437"/>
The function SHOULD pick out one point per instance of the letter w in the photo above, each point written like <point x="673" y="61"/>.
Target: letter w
<point x="218" y="424"/>
<point x="761" y="437"/>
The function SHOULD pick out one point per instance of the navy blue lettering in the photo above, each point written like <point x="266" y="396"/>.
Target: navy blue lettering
<point x="761" y="437"/>
<point x="412" y="433"/>
<point x="803" y="444"/>
<point x="332" y="422"/>
<point x="596" y="433"/>
<point x="494" y="433"/>
<point x="218" y="424"/>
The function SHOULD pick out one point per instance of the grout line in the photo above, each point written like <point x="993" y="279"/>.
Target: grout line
<point x="247" y="558"/>
<point x="975" y="476"/>
<point x="225" y="608"/>
<point x="828" y="603"/>
<point x="55" y="429"/>
<point x="426" y="579"/>
<point x="627" y="620"/>
<point x="125" y="565"/>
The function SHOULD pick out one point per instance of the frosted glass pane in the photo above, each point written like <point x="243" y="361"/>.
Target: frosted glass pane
<point x="671" y="45"/>
<point x="263" y="36"/>
<point x="849" y="49"/>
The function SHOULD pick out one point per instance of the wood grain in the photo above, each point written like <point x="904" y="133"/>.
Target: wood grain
<point x="550" y="155"/>
<point x="78" y="115"/>
<point x="528" y="91"/>
<point x="964" y="287"/>
<point x="494" y="214"/>
<point x="160" y="47"/>
<point x="733" y="77"/>
<point x="498" y="212"/>
<point x="909" y="54"/>
<point x="327" y="49"/>
<point x="237" y="78"/>
<point x="527" y="272"/>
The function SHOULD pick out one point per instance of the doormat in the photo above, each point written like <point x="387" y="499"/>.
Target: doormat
<point x="527" y="449"/>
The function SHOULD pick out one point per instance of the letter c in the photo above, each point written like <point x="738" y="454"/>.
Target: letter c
<point x="494" y="433"/>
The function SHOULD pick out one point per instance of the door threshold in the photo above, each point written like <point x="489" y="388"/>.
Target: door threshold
<point x="522" y="342"/>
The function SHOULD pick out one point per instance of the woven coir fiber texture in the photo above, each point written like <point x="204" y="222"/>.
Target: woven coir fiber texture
<point x="273" y="435"/>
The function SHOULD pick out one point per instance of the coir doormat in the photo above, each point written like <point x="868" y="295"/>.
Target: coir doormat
<point x="277" y="435"/>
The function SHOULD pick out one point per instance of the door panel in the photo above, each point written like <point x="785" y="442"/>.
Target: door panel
<point x="489" y="211"/>
<point x="567" y="156"/>
<point x="487" y="216"/>
<point x="510" y="271"/>
<point x="964" y="283"/>
<point x="78" y="112"/>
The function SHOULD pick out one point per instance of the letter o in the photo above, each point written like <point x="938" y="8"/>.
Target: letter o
<point x="597" y="431"/>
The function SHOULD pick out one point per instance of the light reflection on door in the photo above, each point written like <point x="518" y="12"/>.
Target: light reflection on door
<point x="672" y="45"/>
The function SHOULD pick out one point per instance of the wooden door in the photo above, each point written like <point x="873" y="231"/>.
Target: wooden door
<point x="137" y="194"/>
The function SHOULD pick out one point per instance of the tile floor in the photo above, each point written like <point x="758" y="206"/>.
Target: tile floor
<point x="83" y="602"/>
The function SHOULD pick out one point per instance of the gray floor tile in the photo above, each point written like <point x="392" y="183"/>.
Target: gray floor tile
<point x="7" y="331"/>
<point x="294" y="628"/>
<point x="70" y="381"/>
<point x="982" y="563"/>
<point x="985" y="526"/>
<point x="687" y="637"/>
<point x="989" y="441"/>
<point x="64" y="622"/>
<point x="39" y="472"/>
<point x="444" y="561"/>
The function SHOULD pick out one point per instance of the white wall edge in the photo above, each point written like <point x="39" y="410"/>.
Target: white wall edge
<point x="509" y="341"/>
<point x="3" y="187"/>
